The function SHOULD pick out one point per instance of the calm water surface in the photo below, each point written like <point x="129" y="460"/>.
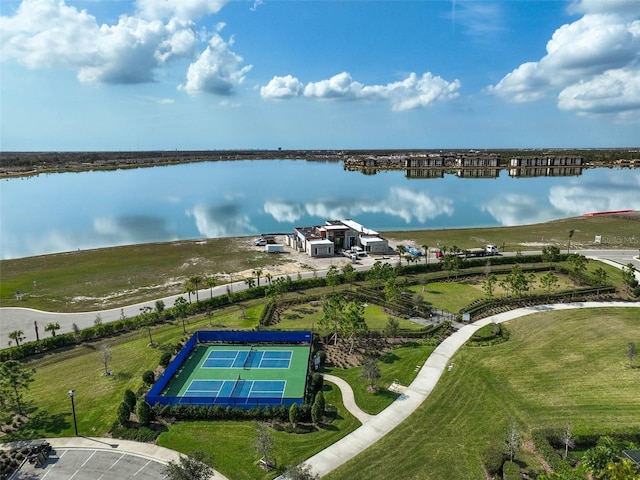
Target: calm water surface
<point x="70" y="211"/>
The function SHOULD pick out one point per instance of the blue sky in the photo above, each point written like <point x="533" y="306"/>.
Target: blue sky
<point x="217" y="74"/>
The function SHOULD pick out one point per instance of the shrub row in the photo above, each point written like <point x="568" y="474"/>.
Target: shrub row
<point x="218" y="412"/>
<point x="479" y="308"/>
<point x="138" y="434"/>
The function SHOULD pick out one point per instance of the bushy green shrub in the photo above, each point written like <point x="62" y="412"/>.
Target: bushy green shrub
<point x="510" y="471"/>
<point x="492" y="459"/>
<point x="130" y="399"/>
<point x="140" y="434"/>
<point x="124" y="412"/>
<point x="165" y="359"/>
<point x="148" y="377"/>
<point x="143" y="412"/>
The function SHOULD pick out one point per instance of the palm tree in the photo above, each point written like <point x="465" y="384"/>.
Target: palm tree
<point x="180" y="310"/>
<point x="268" y="276"/>
<point x="426" y="253"/>
<point x="188" y="289"/>
<point x="18" y="336"/>
<point x="52" y="327"/>
<point x="195" y="280"/>
<point x="400" y="249"/>
<point x="211" y="282"/>
<point x="257" y="272"/>
<point x="571" y="232"/>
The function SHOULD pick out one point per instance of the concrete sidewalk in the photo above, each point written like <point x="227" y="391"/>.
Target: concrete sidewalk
<point x="348" y="399"/>
<point x="377" y="427"/>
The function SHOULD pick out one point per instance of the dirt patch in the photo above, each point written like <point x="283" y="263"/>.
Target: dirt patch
<point x="341" y="355"/>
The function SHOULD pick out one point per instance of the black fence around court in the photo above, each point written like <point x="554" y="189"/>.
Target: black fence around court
<point x="213" y="336"/>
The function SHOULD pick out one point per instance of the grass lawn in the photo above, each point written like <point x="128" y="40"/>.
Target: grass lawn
<point x="400" y="364"/>
<point x="96" y="396"/>
<point x="118" y="276"/>
<point x="453" y="296"/>
<point x="557" y="368"/>
<point x="230" y="443"/>
<point x="307" y="315"/>
<point x="113" y="277"/>
<point x="616" y="228"/>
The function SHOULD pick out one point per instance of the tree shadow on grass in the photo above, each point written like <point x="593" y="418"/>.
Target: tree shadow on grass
<point x="40" y="425"/>
<point x="122" y="376"/>
<point x="389" y="357"/>
<point x="387" y="394"/>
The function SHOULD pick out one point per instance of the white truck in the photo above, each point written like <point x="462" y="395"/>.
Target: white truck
<point x="274" y="248"/>
<point x="486" y="251"/>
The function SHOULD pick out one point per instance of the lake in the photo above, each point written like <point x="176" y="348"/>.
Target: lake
<point x="69" y="211"/>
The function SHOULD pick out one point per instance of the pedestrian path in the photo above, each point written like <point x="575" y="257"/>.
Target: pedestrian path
<point x="415" y="394"/>
<point x="348" y="399"/>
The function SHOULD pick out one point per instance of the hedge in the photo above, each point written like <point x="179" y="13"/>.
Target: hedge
<point x="218" y="412"/>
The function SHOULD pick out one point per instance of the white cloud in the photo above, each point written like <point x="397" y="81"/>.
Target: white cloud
<point x="51" y="34"/>
<point x="256" y="4"/>
<point x="479" y="19"/>
<point x="182" y="9"/>
<point x="411" y="93"/>
<point x="218" y="70"/>
<point x="613" y="91"/>
<point x="596" y="52"/>
<point x="282" y="87"/>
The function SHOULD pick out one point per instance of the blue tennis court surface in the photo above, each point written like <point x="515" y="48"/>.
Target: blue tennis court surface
<point x="248" y="359"/>
<point x="236" y="388"/>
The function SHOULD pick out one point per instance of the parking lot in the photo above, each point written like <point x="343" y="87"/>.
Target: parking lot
<point x="98" y="464"/>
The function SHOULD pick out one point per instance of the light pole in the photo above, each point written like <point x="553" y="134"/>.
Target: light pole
<point x="73" y="409"/>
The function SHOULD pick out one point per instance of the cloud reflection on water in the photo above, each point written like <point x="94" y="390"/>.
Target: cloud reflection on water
<point x="405" y="203"/>
<point x="221" y="221"/>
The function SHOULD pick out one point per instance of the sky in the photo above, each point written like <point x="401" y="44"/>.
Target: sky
<point x="338" y="74"/>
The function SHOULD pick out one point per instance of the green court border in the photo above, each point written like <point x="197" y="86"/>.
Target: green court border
<point x="295" y="376"/>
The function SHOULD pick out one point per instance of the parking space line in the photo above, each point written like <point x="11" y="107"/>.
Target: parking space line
<point x="114" y="463"/>
<point x="142" y="468"/>
<point x="54" y="465"/>
<point x="85" y="462"/>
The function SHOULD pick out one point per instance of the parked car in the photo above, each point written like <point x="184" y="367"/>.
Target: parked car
<point x="260" y="242"/>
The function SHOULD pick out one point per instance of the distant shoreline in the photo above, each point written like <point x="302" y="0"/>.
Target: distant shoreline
<point x="24" y="164"/>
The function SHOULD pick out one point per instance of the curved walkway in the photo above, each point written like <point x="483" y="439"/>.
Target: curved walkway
<point x="378" y="426"/>
<point x="348" y="399"/>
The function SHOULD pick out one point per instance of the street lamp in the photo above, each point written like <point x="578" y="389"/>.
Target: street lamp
<point x="73" y="409"/>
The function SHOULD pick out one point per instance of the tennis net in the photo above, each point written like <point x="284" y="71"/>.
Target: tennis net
<point x="247" y="361"/>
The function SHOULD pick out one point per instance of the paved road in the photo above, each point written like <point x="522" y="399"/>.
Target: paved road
<point x="16" y="318"/>
<point x="12" y="318"/>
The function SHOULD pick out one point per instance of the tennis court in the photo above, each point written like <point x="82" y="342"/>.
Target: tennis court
<point x="241" y="375"/>
<point x="248" y="359"/>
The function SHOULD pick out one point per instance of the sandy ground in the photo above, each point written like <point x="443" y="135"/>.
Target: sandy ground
<point x="302" y="262"/>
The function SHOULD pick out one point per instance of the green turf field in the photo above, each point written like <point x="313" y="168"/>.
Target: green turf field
<point x="195" y="368"/>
